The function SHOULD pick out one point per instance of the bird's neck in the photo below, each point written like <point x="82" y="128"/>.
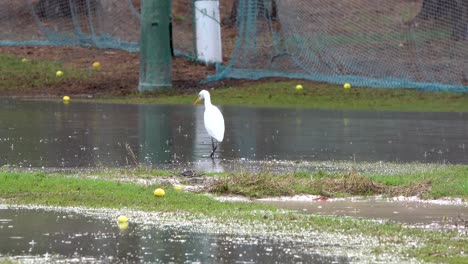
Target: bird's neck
<point x="207" y="101"/>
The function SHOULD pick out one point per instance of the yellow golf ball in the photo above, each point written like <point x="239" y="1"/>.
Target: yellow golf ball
<point x="123" y="226"/>
<point x="299" y="87"/>
<point x="178" y="188"/>
<point x="159" y="192"/>
<point x="59" y="73"/>
<point x="122" y="219"/>
<point x="66" y="98"/>
<point x="24" y="60"/>
<point x="347" y="86"/>
<point x="96" y="65"/>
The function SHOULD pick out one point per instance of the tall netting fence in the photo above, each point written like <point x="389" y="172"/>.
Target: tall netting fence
<point x="380" y="43"/>
<point x="100" y="23"/>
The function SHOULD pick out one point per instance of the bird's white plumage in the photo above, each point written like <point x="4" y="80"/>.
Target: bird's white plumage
<point x="214" y="120"/>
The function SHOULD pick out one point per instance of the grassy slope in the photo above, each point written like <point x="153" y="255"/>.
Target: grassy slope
<point x="315" y="95"/>
<point x="17" y="75"/>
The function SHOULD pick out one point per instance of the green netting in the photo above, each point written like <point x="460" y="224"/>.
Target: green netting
<point x="105" y="23"/>
<point x="380" y="43"/>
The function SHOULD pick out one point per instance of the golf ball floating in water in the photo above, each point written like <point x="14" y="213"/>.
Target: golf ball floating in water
<point x="122" y="219"/>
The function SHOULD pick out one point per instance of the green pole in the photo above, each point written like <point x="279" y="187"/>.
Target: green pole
<point x="155" y="50"/>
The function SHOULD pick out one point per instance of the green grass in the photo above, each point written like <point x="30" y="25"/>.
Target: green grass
<point x="451" y="181"/>
<point x="7" y="261"/>
<point x="52" y="189"/>
<point x="107" y="185"/>
<point x="316" y="95"/>
<point x="77" y="190"/>
<point x="17" y="76"/>
<point x="444" y="183"/>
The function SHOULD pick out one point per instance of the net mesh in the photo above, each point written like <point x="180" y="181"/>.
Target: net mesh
<point x="101" y="23"/>
<point x="381" y="43"/>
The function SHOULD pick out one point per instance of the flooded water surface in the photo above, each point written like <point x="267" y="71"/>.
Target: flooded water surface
<point x="48" y="134"/>
<point x="53" y="134"/>
<point x="40" y="235"/>
<point x="413" y="213"/>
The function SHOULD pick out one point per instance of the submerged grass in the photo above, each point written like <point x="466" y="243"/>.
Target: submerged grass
<point x="76" y="190"/>
<point x="317" y="95"/>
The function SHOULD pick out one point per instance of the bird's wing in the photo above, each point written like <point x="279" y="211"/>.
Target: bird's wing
<point x="214" y="123"/>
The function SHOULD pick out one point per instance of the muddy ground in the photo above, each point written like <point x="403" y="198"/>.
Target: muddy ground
<point x="118" y="75"/>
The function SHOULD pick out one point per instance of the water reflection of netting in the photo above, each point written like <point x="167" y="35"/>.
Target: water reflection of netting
<point x="380" y="43"/>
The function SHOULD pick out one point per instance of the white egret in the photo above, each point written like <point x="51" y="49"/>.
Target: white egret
<point x="214" y="120"/>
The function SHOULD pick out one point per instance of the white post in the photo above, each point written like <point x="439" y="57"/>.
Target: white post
<point x="208" y="31"/>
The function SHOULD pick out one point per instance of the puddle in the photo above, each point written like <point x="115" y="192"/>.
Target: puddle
<point x="52" y="134"/>
<point x="40" y="235"/>
<point x="411" y="213"/>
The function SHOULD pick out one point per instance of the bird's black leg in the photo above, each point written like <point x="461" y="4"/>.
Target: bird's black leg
<point x="214" y="148"/>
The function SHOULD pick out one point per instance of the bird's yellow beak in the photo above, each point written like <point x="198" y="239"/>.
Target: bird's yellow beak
<point x="196" y="101"/>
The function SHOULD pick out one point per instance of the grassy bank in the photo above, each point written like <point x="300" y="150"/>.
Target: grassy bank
<point x="317" y="95"/>
<point x="366" y="179"/>
<point x="78" y="190"/>
<point x="18" y="75"/>
<point x="21" y="77"/>
<point x="56" y="189"/>
<point x="448" y="182"/>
